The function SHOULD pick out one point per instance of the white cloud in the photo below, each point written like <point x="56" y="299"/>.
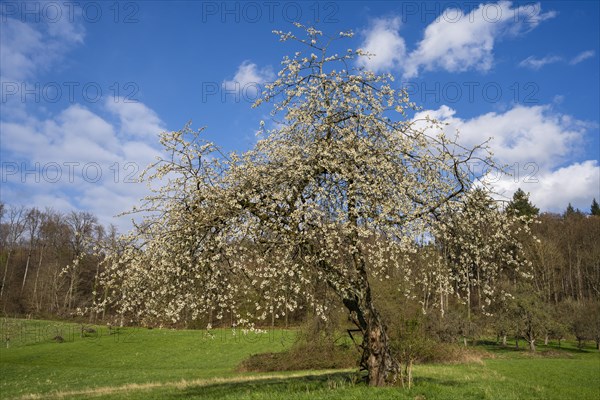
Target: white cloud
<point x="73" y="159"/>
<point x="31" y="49"/>
<point x="136" y="119"/>
<point x="582" y="56"/>
<point x="577" y="184"/>
<point x="79" y="160"/>
<point x="466" y="41"/>
<point x="384" y="42"/>
<point x="56" y="201"/>
<point x="534" y="18"/>
<point x="28" y="49"/>
<point x="534" y="143"/>
<point x="520" y="135"/>
<point x="76" y="134"/>
<point x="455" y="41"/>
<point x="537" y="63"/>
<point x="249" y="79"/>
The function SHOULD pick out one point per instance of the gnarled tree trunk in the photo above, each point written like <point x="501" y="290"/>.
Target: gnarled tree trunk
<point x="382" y="365"/>
<point x="377" y="357"/>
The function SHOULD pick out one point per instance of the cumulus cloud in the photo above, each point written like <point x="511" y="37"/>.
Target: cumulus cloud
<point x="31" y="48"/>
<point x="136" y="119"/>
<point x="519" y="135"/>
<point x="383" y="41"/>
<point x="534" y="143"/>
<point x="248" y="79"/>
<point x="467" y="41"/>
<point x="76" y="158"/>
<point x="80" y="160"/>
<point x="577" y="183"/>
<point x="74" y="134"/>
<point x="456" y="41"/>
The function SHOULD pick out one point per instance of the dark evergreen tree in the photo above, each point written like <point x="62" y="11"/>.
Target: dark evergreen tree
<point x="520" y="205"/>
<point x="595" y="209"/>
<point x="572" y="212"/>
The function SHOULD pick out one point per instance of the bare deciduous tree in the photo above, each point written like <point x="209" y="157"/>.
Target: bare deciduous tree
<point x="15" y="228"/>
<point x="33" y="220"/>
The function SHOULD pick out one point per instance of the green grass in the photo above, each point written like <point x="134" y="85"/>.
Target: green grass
<point x="35" y="364"/>
<point x="184" y="364"/>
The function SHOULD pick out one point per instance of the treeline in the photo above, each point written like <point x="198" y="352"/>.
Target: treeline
<point x="51" y="265"/>
<point x="50" y="261"/>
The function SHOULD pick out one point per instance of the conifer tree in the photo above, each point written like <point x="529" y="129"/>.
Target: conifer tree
<point x="520" y="205"/>
<point x="595" y="208"/>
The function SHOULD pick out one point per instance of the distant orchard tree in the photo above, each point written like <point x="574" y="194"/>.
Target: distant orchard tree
<point x="340" y="191"/>
<point x="479" y="241"/>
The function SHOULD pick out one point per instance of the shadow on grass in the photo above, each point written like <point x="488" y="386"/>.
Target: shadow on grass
<point x="272" y="386"/>
<point x="284" y="387"/>
<point x="421" y="381"/>
<point x="551" y="350"/>
<point x="584" y="350"/>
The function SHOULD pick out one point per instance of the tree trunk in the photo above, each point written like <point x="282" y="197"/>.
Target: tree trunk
<point x="104" y="303"/>
<point x="5" y="273"/>
<point x="504" y="340"/>
<point x="546" y="339"/>
<point x="94" y="312"/>
<point x="26" y="267"/>
<point x="382" y="366"/>
<point x="272" y="319"/>
<point x="409" y="366"/>
<point x="532" y="345"/>
<point x="377" y="357"/>
<point x="37" y="275"/>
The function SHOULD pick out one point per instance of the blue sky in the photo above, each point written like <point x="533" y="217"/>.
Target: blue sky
<point x="87" y="86"/>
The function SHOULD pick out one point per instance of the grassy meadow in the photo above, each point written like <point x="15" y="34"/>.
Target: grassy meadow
<point x="138" y="363"/>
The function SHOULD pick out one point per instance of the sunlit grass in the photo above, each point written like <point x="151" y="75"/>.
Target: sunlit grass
<point x="186" y="364"/>
<point x="34" y="362"/>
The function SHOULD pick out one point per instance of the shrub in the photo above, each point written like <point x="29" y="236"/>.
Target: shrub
<point x="319" y="345"/>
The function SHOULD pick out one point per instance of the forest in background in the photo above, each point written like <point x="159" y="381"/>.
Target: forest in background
<point x="51" y="265"/>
